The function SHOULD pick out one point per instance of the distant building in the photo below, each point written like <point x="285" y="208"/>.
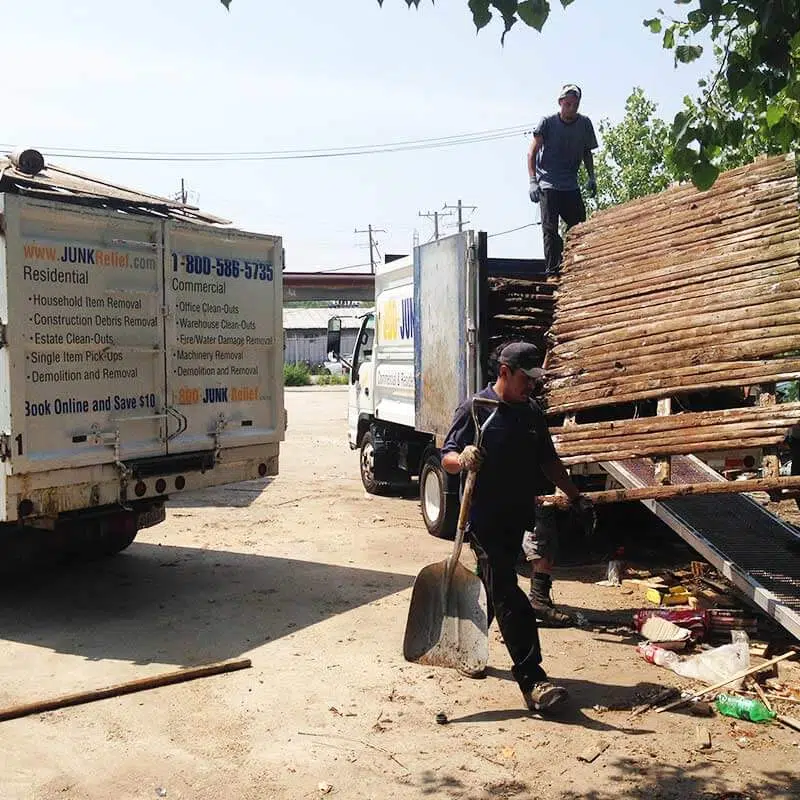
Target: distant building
<point x="306" y="333"/>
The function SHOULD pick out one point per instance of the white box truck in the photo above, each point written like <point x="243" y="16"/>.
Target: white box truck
<point x="418" y="355"/>
<point x="424" y="348"/>
<point x="140" y="355"/>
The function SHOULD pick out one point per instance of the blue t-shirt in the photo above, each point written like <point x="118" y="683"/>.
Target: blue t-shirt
<point x="514" y="445"/>
<point x="565" y="143"/>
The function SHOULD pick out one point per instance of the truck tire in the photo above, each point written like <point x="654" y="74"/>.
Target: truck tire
<point x="367" y="467"/>
<point x="439" y="503"/>
<point x="109" y="537"/>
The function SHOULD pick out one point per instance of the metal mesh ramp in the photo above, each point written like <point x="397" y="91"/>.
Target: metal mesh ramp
<point x="753" y="548"/>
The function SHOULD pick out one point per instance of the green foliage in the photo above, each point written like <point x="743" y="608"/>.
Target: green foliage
<point x="633" y="161"/>
<point x="788" y="392"/>
<point x="750" y="106"/>
<point x="332" y="380"/>
<point x="296" y="375"/>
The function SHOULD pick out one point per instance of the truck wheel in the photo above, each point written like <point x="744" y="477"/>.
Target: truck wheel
<point x="115" y="541"/>
<point x="439" y="506"/>
<point x="367" y="465"/>
<point x="104" y="538"/>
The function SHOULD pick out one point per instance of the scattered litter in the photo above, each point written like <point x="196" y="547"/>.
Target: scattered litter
<point x="674" y="596"/>
<point x="702" y="738"/>
<point x="660" y="697"/>
<point x="441" y="718"/>
<point x="747" y="708"/>
<point x="161" y="791"/>
<point x="615" y="569"/>
<point x="591" y="753"/>
<point x="700" y="568"/>
<point x="324" y="788"/>
<point x="665" y="634"/>
<point x="695" y="621"/>
<point x="717" y="664"/>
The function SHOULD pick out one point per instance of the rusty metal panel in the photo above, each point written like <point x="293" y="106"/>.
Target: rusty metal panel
<point x="445" y="288"/>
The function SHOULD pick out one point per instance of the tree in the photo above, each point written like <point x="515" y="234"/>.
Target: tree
<point x="634" y="158"/>
<point x="751" y="103"/>
<point x="759" y="46"/>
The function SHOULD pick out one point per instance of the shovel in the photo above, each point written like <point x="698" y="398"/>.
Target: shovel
<point x="447" y="621"/>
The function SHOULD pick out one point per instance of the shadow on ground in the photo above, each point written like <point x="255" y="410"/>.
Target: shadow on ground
<point x="180" y="605"/>
<point x="231" y="495"/>
<point x="632" y="780"/>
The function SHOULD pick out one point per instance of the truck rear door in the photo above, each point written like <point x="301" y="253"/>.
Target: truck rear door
<point x="445" y="353"/>
<point x="224" y="366"/>
<point x="84" y="335"/>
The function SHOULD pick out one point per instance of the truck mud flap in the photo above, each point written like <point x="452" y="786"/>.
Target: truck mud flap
<point x="172" y="465"/>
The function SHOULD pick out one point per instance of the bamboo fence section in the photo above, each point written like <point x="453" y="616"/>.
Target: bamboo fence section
<point x="673" y="268"/>
<point x="672" y="295"/>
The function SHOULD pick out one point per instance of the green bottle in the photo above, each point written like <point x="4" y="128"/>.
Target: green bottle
<point x="743" y="708"/>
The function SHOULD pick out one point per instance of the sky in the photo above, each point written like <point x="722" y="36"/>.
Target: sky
<point x="185" y="76"/>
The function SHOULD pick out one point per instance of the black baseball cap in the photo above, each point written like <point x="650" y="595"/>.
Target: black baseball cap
<point x="524" y="356"/>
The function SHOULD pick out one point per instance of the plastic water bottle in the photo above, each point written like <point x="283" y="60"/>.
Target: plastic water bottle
<point x="743" y="708"/>
<point x="657" y="655"/>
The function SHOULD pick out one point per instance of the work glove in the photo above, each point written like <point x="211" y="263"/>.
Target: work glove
<point x="470" y="458"/>
<point x="585" y="514"/>
<point x="591" y="187"/>
<point x="534" y="191"/>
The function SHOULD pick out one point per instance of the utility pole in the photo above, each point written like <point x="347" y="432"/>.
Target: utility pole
<point x="460" y="208"/>
<point x="372" y="244"/>
<point x="183" y="192"/>
<point x="434" y="215"/>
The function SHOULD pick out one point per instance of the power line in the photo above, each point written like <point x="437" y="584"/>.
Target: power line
<point x="282" y="155"/>
<point x="340" y="269"/>
<point x="512" y="230"/>
<point x="225" y="153"/>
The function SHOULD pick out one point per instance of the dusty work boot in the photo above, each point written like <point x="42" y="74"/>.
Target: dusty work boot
<point x="544" y="695"/>
<point x="542" y="602"/>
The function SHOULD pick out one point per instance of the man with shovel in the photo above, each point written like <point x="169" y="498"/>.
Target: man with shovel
<point x="515" y="445"/>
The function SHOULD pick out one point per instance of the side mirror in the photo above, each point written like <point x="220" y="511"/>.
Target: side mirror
<point x="334" y="346"/>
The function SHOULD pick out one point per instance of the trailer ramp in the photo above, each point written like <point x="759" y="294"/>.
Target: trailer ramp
<point x="755" y="550"/>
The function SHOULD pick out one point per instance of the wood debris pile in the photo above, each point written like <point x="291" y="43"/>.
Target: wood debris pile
<point x="675" y="294"/>
<point x="520" y="308"/>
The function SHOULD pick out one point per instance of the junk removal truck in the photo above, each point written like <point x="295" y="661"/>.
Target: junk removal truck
<point x="669" y="342"/>
<point x="141" y="355"/>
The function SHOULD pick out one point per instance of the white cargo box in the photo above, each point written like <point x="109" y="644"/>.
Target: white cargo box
<point x="140" y="355"/>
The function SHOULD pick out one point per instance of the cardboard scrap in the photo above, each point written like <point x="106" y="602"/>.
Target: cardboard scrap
<point x="663" y="632"/>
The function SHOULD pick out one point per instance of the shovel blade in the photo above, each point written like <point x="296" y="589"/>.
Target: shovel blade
<point x="448" y="628"/>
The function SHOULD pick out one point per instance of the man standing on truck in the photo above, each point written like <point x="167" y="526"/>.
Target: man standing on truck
<point x="515" y="446"/>
<point x="560" y="143"/>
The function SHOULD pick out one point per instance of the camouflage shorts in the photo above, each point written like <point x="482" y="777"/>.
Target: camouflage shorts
<point x="542" y="541"/>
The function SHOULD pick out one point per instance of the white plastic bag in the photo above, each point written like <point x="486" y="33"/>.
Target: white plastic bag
<point x="716" y="665"/>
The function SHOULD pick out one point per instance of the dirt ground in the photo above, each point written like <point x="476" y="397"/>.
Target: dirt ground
<point x="310" y="578"/>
